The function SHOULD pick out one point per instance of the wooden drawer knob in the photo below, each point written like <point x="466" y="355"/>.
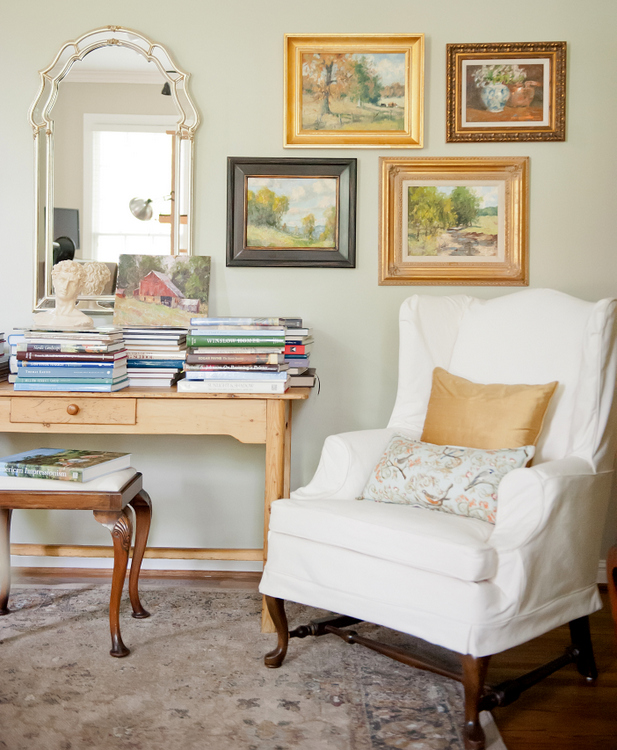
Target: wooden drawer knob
<point x="72" y="409"/>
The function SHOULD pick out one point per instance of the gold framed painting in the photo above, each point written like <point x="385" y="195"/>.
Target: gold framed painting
<point x="454" y="220"/>
<point x="506" y="92"/>
<point x="354" y="91"/>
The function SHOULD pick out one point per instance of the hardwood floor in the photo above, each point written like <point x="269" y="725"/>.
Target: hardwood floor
<point x="561" y="713"/>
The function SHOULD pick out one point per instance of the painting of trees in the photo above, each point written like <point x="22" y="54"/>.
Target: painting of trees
<point x="450" y="220"/>
<point x="345" y="91"/>
<point x="284" y="212"/>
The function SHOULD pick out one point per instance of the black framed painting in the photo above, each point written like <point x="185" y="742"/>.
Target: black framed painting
<point x="291" y="212"/>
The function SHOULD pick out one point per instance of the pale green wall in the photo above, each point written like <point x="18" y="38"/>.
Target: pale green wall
<point x="209" y="491"/>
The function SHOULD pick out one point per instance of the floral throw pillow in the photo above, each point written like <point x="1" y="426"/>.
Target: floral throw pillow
<point x="447" y="478"/>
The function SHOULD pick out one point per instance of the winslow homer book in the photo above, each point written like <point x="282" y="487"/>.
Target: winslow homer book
<point x="67" y="465"/>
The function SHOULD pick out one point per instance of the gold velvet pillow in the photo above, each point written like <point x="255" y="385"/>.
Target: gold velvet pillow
<point x="490" y="417"/>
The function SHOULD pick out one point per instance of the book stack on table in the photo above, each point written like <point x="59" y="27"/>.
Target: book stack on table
<point x="298" y="345"/>
<point x="85" y="360"/>
<point x="4" y="359"/>
<point x="156" y="355"/>
<point x="236" y="355"/>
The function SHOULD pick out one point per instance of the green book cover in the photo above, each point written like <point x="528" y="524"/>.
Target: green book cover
<point x="205" y="340"/>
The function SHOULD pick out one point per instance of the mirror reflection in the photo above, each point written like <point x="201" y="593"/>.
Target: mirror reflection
<point x="117" y="166"/>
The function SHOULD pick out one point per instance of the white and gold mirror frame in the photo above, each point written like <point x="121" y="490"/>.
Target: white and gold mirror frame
<point x="43" y="128"/>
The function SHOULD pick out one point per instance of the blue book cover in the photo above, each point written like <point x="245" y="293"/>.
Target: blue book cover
<point x="70" y="372"/>
<point x="73" y="387"/>
<point x="145" y="363"/>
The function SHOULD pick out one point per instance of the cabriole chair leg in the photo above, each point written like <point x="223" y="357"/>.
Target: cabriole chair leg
<point x="474" y="676"/>
<point x="276" y="608"/>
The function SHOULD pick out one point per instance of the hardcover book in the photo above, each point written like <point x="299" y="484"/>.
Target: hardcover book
<point x="67" y="465"/>
<point x="205" y="339"/>
<point x="231" y="321"/>
<point x="231" y="386"/>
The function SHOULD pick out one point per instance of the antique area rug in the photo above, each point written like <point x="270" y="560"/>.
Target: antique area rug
<point x="195" y="680"/>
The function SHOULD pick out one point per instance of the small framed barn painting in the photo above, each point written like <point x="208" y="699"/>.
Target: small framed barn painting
<point x="291" y="212"/>
<point x="354" y="90"/>
<point x="161" y="290"/>
<point x="506" y="92"/>
<point x="454" y="220"/>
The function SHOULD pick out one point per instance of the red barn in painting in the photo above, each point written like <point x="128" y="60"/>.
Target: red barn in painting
<point x="159" y="288"/>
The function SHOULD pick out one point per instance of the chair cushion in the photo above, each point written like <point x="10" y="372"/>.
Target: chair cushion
<point x="484" y="416"/>
<point x="414" y="537"/>
<point x="107" y="483"/>
<point x="446" y="478"/>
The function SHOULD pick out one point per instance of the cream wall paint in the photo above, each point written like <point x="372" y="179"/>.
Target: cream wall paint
<point x="208" y="491"/>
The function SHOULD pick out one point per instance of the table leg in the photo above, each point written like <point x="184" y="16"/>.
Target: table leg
<point x="611" y="574"/>
<point x="276" y="430"/>
<point x="119" y="524"/>
<point x="5" y="559"/>
<point x="143" y="515"/>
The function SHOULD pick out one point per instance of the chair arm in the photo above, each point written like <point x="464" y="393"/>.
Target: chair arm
<point x="555" y="497"/>
<point x="346" y="462"/>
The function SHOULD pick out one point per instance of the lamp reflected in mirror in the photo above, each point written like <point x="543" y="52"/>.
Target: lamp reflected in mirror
<point x="141" y="208"/>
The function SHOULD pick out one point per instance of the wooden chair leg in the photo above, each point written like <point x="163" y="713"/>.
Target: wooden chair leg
<point x="276" y="608"/>
<point x="5" y="559"/>
<point x="119" y="524"/>
<point x="474" y="675"/>
<point x="611" y="574"/>
<point x="581" y="640"/>
<point x="143" y="515"/>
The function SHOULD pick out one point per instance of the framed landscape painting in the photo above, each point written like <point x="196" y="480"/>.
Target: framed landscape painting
<point x="161" y="290"/>
<point x="350" y="91"/>
<point x="291" y="212"/>
<point x="506" y="92"/>
<point x="454" y="221"/>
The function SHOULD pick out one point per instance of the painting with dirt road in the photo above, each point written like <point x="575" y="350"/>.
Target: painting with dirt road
<point x="356" y="92"/>
<point x="444" y="222"/>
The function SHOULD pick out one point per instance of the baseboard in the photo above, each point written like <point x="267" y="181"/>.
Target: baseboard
<point x="23" y="574"/>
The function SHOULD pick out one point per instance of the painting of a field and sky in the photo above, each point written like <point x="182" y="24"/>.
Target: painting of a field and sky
<point x="447" y="221"/>
<point x="356" y="92"/>
<point x="284" y="212"/>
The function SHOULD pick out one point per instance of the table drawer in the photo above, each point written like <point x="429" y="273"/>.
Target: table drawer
<point x="73" y="410"/>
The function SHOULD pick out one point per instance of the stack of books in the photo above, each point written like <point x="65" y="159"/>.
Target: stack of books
<point x="92" y="360"/>
<point x="4" y="359"/>
<point x="236" y="355"/>
<point x="156" y="355"/>
<point x="298" y="345"/>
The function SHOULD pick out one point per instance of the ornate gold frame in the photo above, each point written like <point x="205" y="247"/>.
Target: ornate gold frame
<point x="413" y="47"/>
<point x="511" y="172"/>
<point x="554" y="52"/>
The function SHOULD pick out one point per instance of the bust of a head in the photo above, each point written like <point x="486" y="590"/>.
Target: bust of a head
<point x="68" y="278"/>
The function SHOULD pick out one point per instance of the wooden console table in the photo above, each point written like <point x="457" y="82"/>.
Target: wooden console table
<point x="250" y="418"/>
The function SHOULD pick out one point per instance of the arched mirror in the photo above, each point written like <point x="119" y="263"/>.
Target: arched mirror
<point x="113" y="128"/>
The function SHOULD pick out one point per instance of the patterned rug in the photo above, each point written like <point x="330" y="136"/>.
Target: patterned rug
<point x="195" y="680"/>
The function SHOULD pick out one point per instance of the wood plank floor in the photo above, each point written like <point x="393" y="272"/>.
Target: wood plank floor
<point x="561" y="713"/>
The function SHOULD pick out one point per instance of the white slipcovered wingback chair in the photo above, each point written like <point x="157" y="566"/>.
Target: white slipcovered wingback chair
<point x="462" y="583"/>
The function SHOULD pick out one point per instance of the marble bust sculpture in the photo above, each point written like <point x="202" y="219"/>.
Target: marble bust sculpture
<point x="68" y="278"/>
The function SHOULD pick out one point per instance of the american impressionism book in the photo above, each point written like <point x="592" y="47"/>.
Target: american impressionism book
<point x="67" y="465"/>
